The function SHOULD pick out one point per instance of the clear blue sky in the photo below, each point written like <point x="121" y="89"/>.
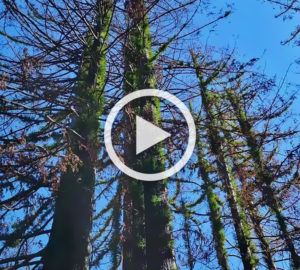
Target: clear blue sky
<point x="255" y="32"/>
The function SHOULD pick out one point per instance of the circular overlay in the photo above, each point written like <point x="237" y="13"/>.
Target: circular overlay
<point x="145" y="176"/>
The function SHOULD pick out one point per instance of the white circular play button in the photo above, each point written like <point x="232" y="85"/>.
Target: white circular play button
<point x="148" y="135"/>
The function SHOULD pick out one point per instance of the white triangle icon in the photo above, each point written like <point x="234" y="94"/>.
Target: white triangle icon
<point x="148" y="135"/>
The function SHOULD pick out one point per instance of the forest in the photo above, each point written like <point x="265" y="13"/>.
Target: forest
<point x="64" y="205"/>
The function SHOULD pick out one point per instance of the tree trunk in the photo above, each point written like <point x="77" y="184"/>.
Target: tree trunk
<point x="244" y="244"/>
<point x="264" y="244"/>
<point x="265" y="179"/>
<point x="248" y="203"/>
<point x="68" y="246"/>
<point x="134" y="254"/>
<point x="159" y="243"/>
<point x="215" y="216"/>
<point x="139" y="74"/>
<point x="214" y="208"/>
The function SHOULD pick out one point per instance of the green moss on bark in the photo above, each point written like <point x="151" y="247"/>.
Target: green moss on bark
<point x="69" y="242"/>
<point x="265" y="179"/>
<point x="216" y="142"/>
<point x="139" y="74"/>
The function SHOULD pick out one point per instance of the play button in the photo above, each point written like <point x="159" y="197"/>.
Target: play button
<point x="148" y="135"/>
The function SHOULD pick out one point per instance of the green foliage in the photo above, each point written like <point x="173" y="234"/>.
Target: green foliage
<point x="156" y="199"/>
<point x="142" y="243"/>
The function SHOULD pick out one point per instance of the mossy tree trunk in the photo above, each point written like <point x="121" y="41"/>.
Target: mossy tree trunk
<point x="246" y="203"/>
<point x="133" y="249"/>
<point x="265" y="179"/>
<point x="264" y="243"/>
<point x="215" y="213"/>
<point x="150" y="212"/>
<point x="225" y="171"/>
<point x="69" y="242"/>
<point x="187" y="236"/>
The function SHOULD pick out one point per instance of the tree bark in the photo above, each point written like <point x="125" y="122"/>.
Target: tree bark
<point x="244" y="244"/>
<point x="248" y="204"/>
<point x="139" y="74"/>
<point x="214" y="208"/>
<point x="264" y="244"/>
<point x="265" y="179"/>
<point x="69" y="242"/>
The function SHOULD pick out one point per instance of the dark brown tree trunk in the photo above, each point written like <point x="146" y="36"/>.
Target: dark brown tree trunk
<point x="134" y="257"/>
<point x="154" y="214"/>
<point x="69" y="243"/>
<point x="68" y="246"/>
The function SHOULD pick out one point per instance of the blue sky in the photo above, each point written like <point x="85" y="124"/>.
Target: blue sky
<point x="255" y="32"/>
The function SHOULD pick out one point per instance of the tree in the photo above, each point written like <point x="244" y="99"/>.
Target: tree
<point x="240" y="224"/>
<point x="149" y="201"/>
<point x="265" y="179"/>
<point x="62" y="121"/>
<point x="215" y="213"/>
<point x="69" y="242"/>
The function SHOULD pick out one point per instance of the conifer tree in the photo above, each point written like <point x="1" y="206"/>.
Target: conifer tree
<point x="64" y="205"/>
<point x="62" y="123"/>
<point x="247" y="204"/>
<point x="225" y="171"/>
<point x="263" y="175"/>
<point x="149" y="215"/>
<point x="69" y="242"/>
<point x="215" y="212"/>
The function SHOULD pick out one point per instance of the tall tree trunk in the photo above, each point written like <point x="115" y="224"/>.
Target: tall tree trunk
<point x="139" y="74"/>
<point x="134" y="250"/>
<point x="68" y="246"/>
<point x="134" y="253"/>
<point x="239" y="222"/>
<point x="214" y="208"/>
<point x="159" y="241"/>
<point x="191" y="260"/>
<point x="115" y="247"/>
<point x="264" y="244"/>
<point x="246" y="205"/>
<point x="214" y="212"/>
<point x="265" y="179"/>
